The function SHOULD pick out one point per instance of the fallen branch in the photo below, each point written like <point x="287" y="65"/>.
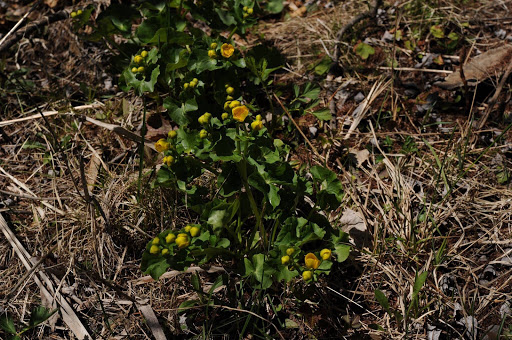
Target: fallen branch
<point x="61" y="15"/>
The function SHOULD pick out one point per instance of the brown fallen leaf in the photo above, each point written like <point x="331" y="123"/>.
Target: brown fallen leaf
<point x="489" y="64"/>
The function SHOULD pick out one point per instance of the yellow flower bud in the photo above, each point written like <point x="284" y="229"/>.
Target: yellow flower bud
<point x="225" y="116"/>
<point x="307" y="275"/>
<point x="192" y="83"/>
<point x="79" y="12"/>
<point x="226" y="86"/>
<point x="137" y="59"/>
<point x="226" y="105"/>
<point x="257" y="125"/>
<point x="230" y="90"/>
<point x="170" y="238"/>
<point x="73" y="14"/>
<point x="182" y="241"/>
<point x="186" y="85"/>
<point x="156" y="240"/>
<point x="195" y="80"/>
<point x="162" y="145"/>
<point x="168" y="160"/>
<point x="187" y="228"/>
<point x="201" y="120"/>
<point x="203" y="134"/>
<point x="154" y="249"/>
<point x="245" y="8"/>
<point x="258" y="117"/>
<point x="285" y="259"/>
<point x="134" y="69"/>
<point x="325" y="254"/>
<point x="229" y="98"/>
<point x="212" y="54"/>
<point x="194" y="231"/>
<point x="250" y="11"/>
<point x="290" y="251"/>
<point x="140" y="69"/>
<point x="144" y="54"/>
<point x="213" y="46"/>
<point x="245" y="15"/>
<point x="311" y="261"/>
<point x="234" y="104"/>
<point x="165" y="251"/>
<point x="172" y="134"/>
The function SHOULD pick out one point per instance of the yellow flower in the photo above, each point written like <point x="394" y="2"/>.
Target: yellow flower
<point x="182" y="241"/>
<point x="285" y="259"/>
<point x="156" y="240"/>
<point x="250" y="11"/>
<point x="203" y="134"/>
<point x="227" y="50"/>
<point x="240" y="113"/>
<point x="187" y="228"/>
<point x="137" y="59"/>
<point x="162" y="145"/>
<point x="290" y="251"/>
<point x="230" y="90"/>
<point x="165" y="251"/>
<point x="307" y="275"/>
<point x="311" y="261"/>
<point x="186" y="85"/>
<point x="172" y="134"/>
<point x="168" y="160"/>
<point x="73" y="14"/>
<point x="212" y="54"/>
<point x="194" y="231"/>
<point x="325" y="254"/>
<point x="213" y="45"/>
<point x="224" y="116"/>
<point x="144" y="54"/>
<point x="170" y="238"/>
<point x="79" y="12"/>
<point x="154" y="249"/>
<point x="257" y="125"/>
<point x="134" y="69"/>
<point x="140" y="69"/>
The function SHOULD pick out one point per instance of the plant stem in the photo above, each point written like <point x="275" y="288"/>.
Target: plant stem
<point x="141" y="147"/>
<point x="242" y="168"/>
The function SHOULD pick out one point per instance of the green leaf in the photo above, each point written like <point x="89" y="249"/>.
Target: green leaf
<point x="153" y="265"/>
<point x="322" y="114"/>
<point x="342" y="251"/>
<point x="186" y="305"/>
<point x="7" y="324"/>
<point x="453" y="36"/>
<point x="418" y="284"/>
<point x="273" y="196"/>
<point x="437" y="31"/>
<point x="275" y="6"/>
<point x="194" y="279"/>
<point x="364" y="50"/>
<point x="382" y="299"/>
<point x="286" y="274"/>
<point x="33" y="145"/>
<point x="178" y="111"/>
<point x="225" y="17"/>
<point x="40" y="314"/>
<point x="200" y="62"/>
<point x="290" y="324"/>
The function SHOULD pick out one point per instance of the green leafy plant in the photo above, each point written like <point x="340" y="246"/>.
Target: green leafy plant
<point x="261" y="215"/>
<point x="38" y="315"/>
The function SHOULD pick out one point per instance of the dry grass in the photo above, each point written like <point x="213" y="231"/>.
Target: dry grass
<point x="412" y="204"/>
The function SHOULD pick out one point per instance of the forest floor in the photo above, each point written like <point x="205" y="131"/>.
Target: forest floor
<point x="424" y="162"/>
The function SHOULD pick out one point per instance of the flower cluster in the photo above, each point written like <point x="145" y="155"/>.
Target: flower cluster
<point x="191" y="84"/>
<point x="181" y="240"/>
<point x="75" y="14"/>
<point x="137" y="60"/>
